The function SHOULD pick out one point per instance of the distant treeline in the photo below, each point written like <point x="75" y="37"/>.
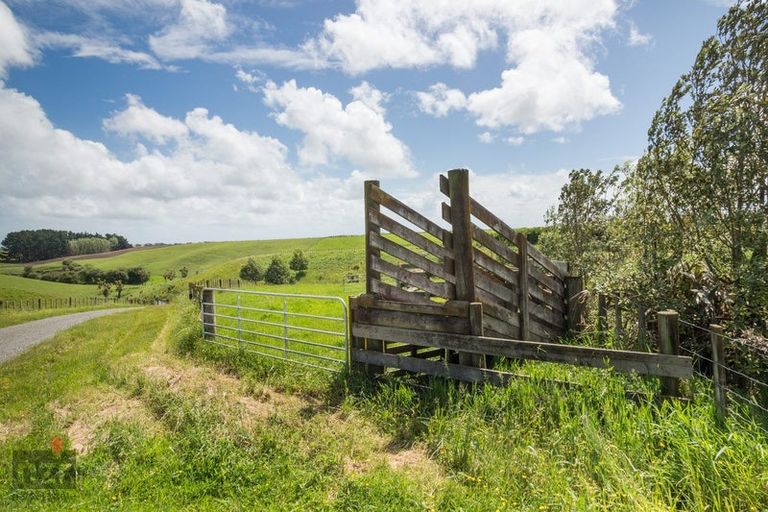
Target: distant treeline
<point x="73" y="273"/>
<point x="44" y="244"/>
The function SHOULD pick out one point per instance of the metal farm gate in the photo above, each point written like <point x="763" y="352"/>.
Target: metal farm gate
<point x="309" y="330"/>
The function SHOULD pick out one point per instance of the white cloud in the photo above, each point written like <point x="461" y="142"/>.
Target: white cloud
<point x="215" y="175"/>
<point x="515" y="140"/>
<point x="15" y="49"/>
<point x="440" y="100"/>
<point x="637" y="38"/>
<point x="560" y="140"/>
<point x="357" y="132"/>
<point x="486" y="137"/>
<point x="200" y="24"/>
<point x="248" y="79"/>
<point x="140" y="120"/>
<point x="110" y="51"/>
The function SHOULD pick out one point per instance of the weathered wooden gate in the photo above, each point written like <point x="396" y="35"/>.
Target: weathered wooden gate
<point x="440" y="300"/>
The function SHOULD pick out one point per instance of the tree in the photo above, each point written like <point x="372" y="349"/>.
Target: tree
<point x="298" y="262"/>
<point x="277" y="272"/>
<point x="119" y="288"/>
<point x="104" y="288"/>
<point x="251" y="271"/>
<point x="705" y="174"/>
<point x="183" y="272"/>
<point x="169" y="275"/>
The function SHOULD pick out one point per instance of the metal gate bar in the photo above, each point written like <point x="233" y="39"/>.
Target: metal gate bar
<point x="291" y="344"/>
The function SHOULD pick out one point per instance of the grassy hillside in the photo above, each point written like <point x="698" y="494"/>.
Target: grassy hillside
<point x="331" y="259"/>
<point x="158" y="417"/>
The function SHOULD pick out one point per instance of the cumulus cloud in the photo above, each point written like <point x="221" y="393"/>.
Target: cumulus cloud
<point x="439" y="100"/>
<point x="140" y="120"/>
<point x="515" y="140"/>
<point x="15" y="49"/>
<point x="486" y="137"/>
<point x="200" y="23"/>
<point x="215" y="173"/>
<point x="356" y="132"/>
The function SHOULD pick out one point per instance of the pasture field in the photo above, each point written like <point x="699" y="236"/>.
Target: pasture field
<point x="161" y="419"/>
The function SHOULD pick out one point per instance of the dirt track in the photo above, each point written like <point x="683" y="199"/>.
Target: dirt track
<point x="17" y="338"/>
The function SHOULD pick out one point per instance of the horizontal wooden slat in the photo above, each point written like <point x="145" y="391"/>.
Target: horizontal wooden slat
<point x="548" y="316"/>
<point x="490" y="300"/>
<point x="434" y="368"/>
<point x="408" y="256"/>
<point x="545" y="262"/>
<point x="491" y="285"/>
<point x="435" y="323"/>
<point x="419" y="280"/>
<point x="408" y="213"/>
<point x="409" y="235"/>
<point x="449" y="308"/>
<point x="428" y="354"/>
<point x="397" y="348"/>
<point x="661" y="365"/>
<point x="550" y="299"/>
<point x="485" y="239"/>
<point x="498" y="269"/>
<point x="506" y="329"/>
<point x="550" y="282"/>
<point x="395" y="293"/>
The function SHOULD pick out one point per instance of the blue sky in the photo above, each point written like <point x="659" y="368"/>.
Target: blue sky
<point x="179" y="120"/>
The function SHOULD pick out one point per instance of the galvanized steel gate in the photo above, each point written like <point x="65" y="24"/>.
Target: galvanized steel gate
<point x="310" y="330"/>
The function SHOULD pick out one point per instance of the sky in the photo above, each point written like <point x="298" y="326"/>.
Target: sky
<point x="196" y="120"/>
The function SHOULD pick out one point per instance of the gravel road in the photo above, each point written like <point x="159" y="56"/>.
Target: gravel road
<point x="17" y="338"/>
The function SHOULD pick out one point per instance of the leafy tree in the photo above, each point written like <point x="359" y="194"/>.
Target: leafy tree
<point x="277" y="272"/>
<point x="119" y="288"/>
<point x="251" y="271"/>
<point x="137" y="275"/>
<point x="183" y="272"/>
<point x="104" y="288"/>
<point x="298" y="262"/>
<point x="169" y="275"/>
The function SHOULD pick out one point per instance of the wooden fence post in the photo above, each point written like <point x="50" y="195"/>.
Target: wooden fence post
<point x="461" y="226"/>
<point x="618" y="327"/>
<point x="718" y="375"/>
<point x="669" y="343"/>
<point x="209" y="320"/>
<point x="602" y="316"/>
<point x="476" y="329"/>
<point x="522" y="281"/>
<point x="574" y="286"/>
<point x="642" y="325"/>
<point x="370" y="253"/>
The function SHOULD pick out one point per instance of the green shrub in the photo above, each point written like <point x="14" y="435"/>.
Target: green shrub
<point x="251" y="271"/>
<point x="277" y="273"/>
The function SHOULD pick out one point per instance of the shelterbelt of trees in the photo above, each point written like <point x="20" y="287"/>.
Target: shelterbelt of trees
<point x="686" y="226"/>
<point x="44" y="244"/>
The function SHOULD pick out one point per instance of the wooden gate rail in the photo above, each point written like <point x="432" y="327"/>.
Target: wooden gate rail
<point x="415" y="337"/>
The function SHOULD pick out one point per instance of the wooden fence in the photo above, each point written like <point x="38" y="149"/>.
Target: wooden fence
<point x="62" y="302"/>
<point x="442" y="301"/>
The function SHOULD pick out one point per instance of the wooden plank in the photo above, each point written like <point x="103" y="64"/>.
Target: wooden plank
<point x="543" y="297"/>
<point x="620" y="360"/>
<point x="669" y="343"/>
<point x="497" y="288"/>
<point x="435" y="323"/>
<point x="395" y="293"/>
<point x="408" y="256"/>
<point x="370" y="251"/>
<point x="418" y="280"/>
<point x="496" y="268"/>
<point x="522" y="246"/>
<point x="550" y="282"/>
<point x="506" y="329"/>
<point x="409" y="235"/>
<point x="450" y="308"/>
<point x="545" y="262"/>
<point x="547" y="316"/>
<point x="435" y="368"/>
<point x="409" y="214"/>
<point x="428" y="354"/>
<point x="398" y="348"/>
<point x="574" y="287"/>
<point x="485" y="239"/>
